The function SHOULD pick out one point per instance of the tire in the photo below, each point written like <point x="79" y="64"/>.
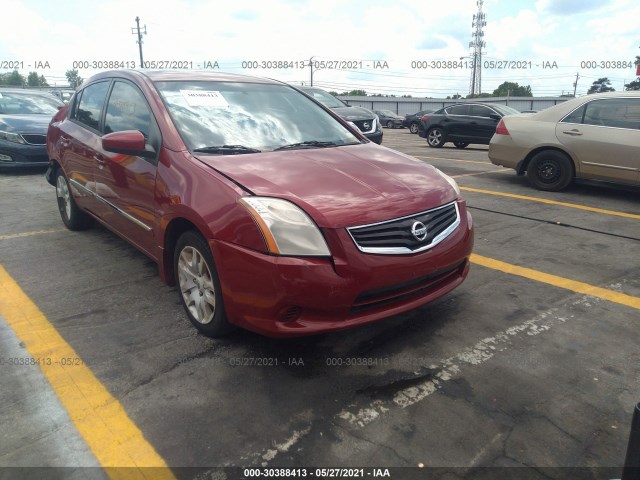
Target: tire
<point x="389" y="124"/>
<point x="413" y="128"/>
<point x="435" y="137"/>
<point x="550" y="170"/>
<point x="199" y="285"/>
<point x="461" y="144"/>
<point x="72" y="217"/>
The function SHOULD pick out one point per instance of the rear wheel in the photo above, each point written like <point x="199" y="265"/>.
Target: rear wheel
<point x="461" y="144"/>
<point x="72" y="216"/>
<point x="413" y="128"/>
<point x="199" y="285"/>
<point x="550" y="170"/>
<point x="435" y="137"/>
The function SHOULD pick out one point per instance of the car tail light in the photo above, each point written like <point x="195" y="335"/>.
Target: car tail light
<point x="501" y="129"/>
<point x="424" y="119"/>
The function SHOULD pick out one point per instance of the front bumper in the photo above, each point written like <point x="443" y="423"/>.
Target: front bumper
<point x="292" y="296"/>
<point x="17" y="155"/>
<point x="375" y="137"/>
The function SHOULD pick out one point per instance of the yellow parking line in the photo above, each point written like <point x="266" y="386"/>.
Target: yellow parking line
<point x="552" y="202"/>
<point x="101" y="420"/>
<point x="479" y="173"/>
<point x="29" y="234"/>
<point x="561" y="282"/>
<point x="453" y="159"/>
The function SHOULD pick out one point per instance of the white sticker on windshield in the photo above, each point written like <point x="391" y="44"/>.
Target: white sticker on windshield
<point x="0" y="95"/>
<point x="204" y="98"/>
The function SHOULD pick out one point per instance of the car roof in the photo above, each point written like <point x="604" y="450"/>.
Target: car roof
<point x="180" y="75"/>
<point x="26" y="90"/>
<point x="555" y="112"/>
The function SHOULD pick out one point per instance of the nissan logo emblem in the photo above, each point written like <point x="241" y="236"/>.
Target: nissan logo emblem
<point x="419" y="230"/>
<point x="366" y="125"/>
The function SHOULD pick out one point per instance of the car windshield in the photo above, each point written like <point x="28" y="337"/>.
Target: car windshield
<point x="325" y="98"/>
<point x="19" y="103"/>
<point x="388" y="113"/>
<point x="230" y="117"/>
<point x="504" y="109"/>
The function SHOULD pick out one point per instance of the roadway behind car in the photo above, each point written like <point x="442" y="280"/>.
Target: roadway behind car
<point x="511" y="369"/>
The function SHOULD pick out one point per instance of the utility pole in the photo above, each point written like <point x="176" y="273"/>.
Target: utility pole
<point x="477" y="43"/>
<point x="136" y="31"/>
<point x="575" y="84"/>
<point x="311" y="70"/>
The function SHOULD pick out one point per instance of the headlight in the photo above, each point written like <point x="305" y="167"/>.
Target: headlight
<point x="286" y="228"/>
<point x="11" y="137"/>
<point x="451" y="181"/>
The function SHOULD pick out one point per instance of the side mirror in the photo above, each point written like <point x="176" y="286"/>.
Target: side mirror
<point x="494" y="116"/>
<point x="128" y="142"/>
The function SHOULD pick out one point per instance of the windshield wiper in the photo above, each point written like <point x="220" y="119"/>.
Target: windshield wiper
<point x="227" y="149"/>
<point x="307" y="144"/>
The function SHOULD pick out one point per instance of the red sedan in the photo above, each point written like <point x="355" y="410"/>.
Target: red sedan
<point x="266" y="209"/>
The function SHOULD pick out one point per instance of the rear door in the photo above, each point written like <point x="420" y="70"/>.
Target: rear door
<point x="603" y="137"/>
<point x="456" y="121"/>
<point x="80" y="139"/>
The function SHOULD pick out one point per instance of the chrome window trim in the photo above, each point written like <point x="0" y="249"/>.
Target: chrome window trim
<point x="108" y="203"/>
<point x="403" y="250"/>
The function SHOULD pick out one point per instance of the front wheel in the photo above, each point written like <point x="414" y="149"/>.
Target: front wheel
<point x="72" y="216"/>
<point x="551" y="171"/>
<point x="389" y="124"/>
<point x="461" y="144"/>
<point x="435" y="137"/>
<point x="413" y="128"/>
<point x="199" y="285"/>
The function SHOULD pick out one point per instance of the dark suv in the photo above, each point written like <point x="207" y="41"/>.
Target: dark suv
<point x="462" y="124"/>
<point x="366" y="121"/>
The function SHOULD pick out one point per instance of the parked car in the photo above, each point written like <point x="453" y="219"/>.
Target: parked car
<point x="389" y="119"/>
<point x="462" y="124"/>
<point x="412" y="121"/>
<point x="596" y="137"/>
<point x="266" y="209"/>
<point x="366" y="121"/>
<point x="24" y="118"/>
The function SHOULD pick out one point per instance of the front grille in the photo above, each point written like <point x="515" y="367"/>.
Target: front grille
<point x="34" y="138"/>
<point x="397" y="236"/>
<point x="422" y="286"/>
<point x="366" y="126"/>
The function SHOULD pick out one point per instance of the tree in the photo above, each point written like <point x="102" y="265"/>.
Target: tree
<point x="73" y="78"/>
<point x="512" y="89"/>
<point x="334" y="93"/>
<point x="35" y="80"/>
<point x="14" y="79"/>
<point x="601" y="85"/>
<point x="355" y="93"/>
<point x="479" y="95"/>
<point x="635" y="85"/>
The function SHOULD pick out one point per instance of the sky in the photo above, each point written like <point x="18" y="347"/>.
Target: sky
<point x="399" y="47"/>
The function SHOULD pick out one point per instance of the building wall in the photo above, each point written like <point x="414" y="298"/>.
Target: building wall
<point x="404" y="106"/>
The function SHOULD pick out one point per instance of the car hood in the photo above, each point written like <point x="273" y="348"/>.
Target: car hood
<point x="340" y="186"/>
<point x="354" y="113"/>
<point x="25" y="123"/>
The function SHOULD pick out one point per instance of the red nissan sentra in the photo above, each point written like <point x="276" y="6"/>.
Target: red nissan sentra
<point x="267" y="210"/>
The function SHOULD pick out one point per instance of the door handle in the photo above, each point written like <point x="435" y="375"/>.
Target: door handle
<point x="573" y="132"/>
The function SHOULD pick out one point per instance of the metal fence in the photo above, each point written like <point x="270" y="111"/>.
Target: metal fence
<point x="405" y="106"/>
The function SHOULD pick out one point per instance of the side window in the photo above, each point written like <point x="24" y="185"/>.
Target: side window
<point x="458" y="110"/>
<point x="480" y="111"/>
<point x="91" y="103"/>
<point x="575" y="117"/>
<point x="614" y="112"/>
<point x="127" y="110"/>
